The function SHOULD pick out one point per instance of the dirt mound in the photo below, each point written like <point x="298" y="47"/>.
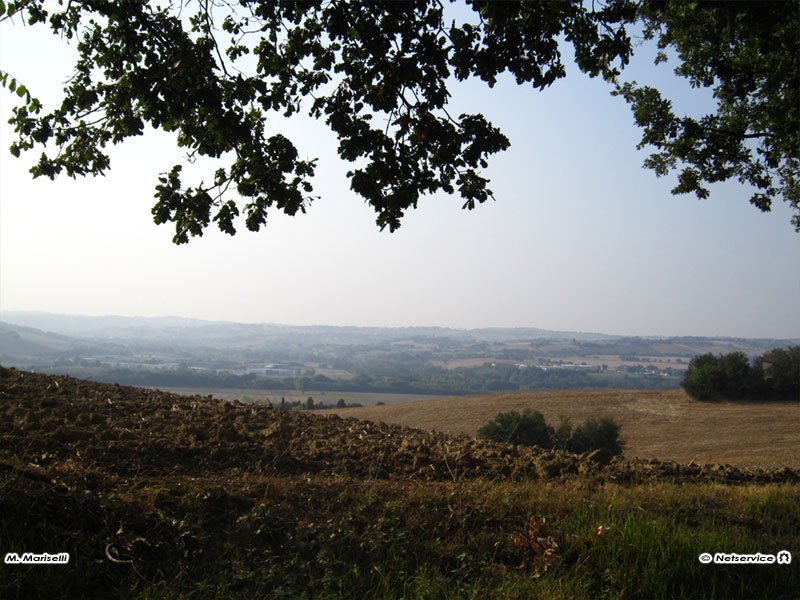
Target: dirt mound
<point x="112" y="431"/>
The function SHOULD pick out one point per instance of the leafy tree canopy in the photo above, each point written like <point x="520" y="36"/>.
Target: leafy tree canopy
<point x="749" y="54"/>
<point x="214" y="71"/>
<point x="773" y="376"/>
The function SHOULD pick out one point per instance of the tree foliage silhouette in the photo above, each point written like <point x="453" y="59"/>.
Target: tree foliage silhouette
<point x="215" y="72"/>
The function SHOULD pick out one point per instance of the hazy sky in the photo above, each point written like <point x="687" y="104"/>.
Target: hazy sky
<point x="581" y="237"/>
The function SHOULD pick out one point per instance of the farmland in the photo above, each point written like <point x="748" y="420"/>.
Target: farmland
<point x="156" y="495"/>
<point x="342" y="361"/>
<point x="274" y="396"/>
<point x="664" y="425"/>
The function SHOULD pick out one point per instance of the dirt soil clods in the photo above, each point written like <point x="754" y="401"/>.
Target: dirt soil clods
<point x="116" y="431"/>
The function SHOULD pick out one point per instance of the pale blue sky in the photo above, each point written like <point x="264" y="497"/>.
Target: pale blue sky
<point x="581" y="237"/>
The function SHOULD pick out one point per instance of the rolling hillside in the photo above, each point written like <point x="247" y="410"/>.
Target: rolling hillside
<point x="148" y="494"/>
<point x="664" y="425"/>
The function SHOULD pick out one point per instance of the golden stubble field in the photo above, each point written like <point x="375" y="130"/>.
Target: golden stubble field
<point x="666" y="425"/>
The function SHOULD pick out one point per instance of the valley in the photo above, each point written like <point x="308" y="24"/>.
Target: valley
<point x="341" y="361"/>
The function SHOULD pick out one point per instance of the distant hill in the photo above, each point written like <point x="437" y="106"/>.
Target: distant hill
<point x="109" y="326"/>
<point x="112" y="326"/>
<point x="191" y="331"/>
<point x="29" y="343"/>
<point x="177" y="351"/>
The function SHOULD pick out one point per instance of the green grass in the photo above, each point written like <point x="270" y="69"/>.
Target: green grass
<point x="316" y="537"/>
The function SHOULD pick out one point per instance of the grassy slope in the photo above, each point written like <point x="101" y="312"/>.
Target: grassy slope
<point x="321" y="537"/>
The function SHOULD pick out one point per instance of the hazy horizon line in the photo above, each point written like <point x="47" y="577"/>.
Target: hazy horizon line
<point x="351" y="326"/>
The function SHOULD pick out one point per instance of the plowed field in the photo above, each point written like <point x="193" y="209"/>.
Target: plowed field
<point x="122" y="431"/>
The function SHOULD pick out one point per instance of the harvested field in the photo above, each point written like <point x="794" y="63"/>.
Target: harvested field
<point x="274" y="396"/>
<point x="663" y="425"/>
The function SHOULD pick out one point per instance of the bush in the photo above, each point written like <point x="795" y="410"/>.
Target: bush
<point x="526" y="429"/>
<point x="703" y="378"/>
<point x="596" y="434"/>
<point x="735" y="368"/>
<point x="530" y="429"/>
<point x="563" y="433"/>
<point x="781" y="371"/>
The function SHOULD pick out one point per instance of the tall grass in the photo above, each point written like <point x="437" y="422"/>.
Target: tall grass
<point x="315" y="537"/>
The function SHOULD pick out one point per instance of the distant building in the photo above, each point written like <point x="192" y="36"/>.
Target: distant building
<point x="279" y="371"/>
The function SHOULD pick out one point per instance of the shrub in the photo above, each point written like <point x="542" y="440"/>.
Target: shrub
<point x="596" y="434"/>
<point x="735" y="368"/>
<point x="781" y="371"/>
<point x="526" y="429"/>
<point x="703" y="378"/>
<point x="563" y="433"/>
<point x="530" y="429"/>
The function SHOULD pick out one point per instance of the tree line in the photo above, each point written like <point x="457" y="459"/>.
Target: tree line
<point x="488" y="378"/>
<point x="775" y="375"/>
